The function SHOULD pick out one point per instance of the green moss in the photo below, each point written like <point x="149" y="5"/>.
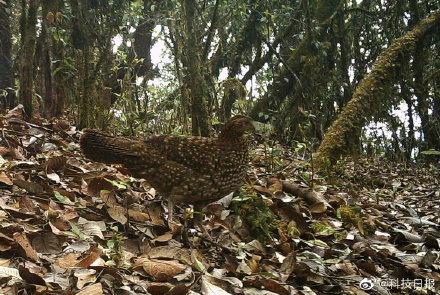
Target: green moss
<point x="353" y="216"/>
<point x="256" y="213"/>
<point x="369" y="94"/>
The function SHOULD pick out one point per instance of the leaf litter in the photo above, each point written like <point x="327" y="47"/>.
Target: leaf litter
<point x="69" y="226"/>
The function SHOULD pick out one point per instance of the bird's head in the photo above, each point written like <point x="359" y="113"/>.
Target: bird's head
<point x="236" y="127"/>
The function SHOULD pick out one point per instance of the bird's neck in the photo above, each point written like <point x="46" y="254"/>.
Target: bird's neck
<point x="229" y="136"/>
<point x="233" y="139"/>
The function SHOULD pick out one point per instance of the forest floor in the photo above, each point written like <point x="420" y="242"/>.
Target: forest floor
<point x="71" y="226"/>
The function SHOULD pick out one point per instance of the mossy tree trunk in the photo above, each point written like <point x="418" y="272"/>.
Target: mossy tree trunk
<point x="184" y="109"/>
<point x="410" y="137"/>
<point x="436" y="92"/>
<point x="29" y="36"/>
<point x="194" y="78"/>
<point x="45" y="58"/>
<point x="344" y="60"/>
<point x="287" y="77"/>
<point x="60" y="78"/>
<point x="143" y="39"/>
<point x="81" y="43"/>
<point x="421" y="88"/>
<point x="369" y="93"/>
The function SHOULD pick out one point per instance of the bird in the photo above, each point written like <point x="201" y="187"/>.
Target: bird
<point x="184" y="169"/>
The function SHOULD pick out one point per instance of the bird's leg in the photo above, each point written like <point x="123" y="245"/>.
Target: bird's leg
<point x="198" y="219"/>
<point x="172" y="225"/>
<point x="185" y="228"/>
<point x="170" y="211"/>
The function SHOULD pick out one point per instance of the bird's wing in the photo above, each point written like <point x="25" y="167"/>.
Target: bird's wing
<point x="197" y="153"/>
<point x="178" y="181"/>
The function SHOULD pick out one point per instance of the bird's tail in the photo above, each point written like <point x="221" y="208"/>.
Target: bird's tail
<point x="105" y="148"/>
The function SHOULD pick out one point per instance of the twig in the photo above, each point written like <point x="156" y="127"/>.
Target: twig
<point x="39" y="127"/>
<point x="4" y="138"/>
<point x="224" y="248"/>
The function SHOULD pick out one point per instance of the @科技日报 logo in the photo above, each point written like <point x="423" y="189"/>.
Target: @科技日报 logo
<point x="366" y="284"/>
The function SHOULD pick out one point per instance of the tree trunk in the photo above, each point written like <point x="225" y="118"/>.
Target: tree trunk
<point x="81" y="42"/>
<point x="46" y="63"/>
<point x="27" y="56"/>
<point x="421" y="90"/>
<point x="7" y="94"/>
<point x="195" y="82"/>
<point x="410" y="138"/>
<point x="56" y="58"/>
<point x="59" y="78"/>
<point x="344" y="61"/>
<point x="84" y="101"/>
<point x="436" y="106"/>
<point x="143" y="40"/>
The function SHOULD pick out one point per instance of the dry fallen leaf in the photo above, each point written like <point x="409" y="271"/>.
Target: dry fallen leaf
<point x="208" y="288"/>
<point x="55" y="163"/>
<point x="118" y="213"/>
<point x="9" y="272"/>
<point x="161" y="270"/>
<point x="68" y="260"/>
<point x="163" y="238"/>
<point x="95" y="289"/>
<point x="23" y="241"/>
<point x="89" y="259"/>
<point x="4" y="179"/>
<point x="84" y="276"/>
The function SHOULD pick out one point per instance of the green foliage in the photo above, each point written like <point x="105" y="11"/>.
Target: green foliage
<point x="115" y="249"/>
<point x="292" y="230"/>
<point x="62" y="199"/>
<point x="117" y="184"/>
<point x="353" y="216"/>
<point x="255" y="212"/>
<point x="430" y="153"/>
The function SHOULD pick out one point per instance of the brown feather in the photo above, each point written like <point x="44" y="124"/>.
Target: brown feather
<point x="185" y="169"/>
